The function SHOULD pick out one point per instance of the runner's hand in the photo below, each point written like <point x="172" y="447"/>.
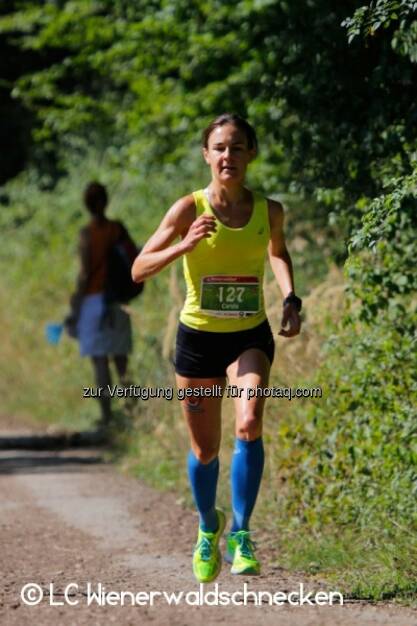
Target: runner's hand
<point x="290" y="318"/>
<point x="201" y="228"/>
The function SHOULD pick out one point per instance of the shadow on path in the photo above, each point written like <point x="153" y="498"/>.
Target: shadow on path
<point x="50" y="453"/>
<point x="58" y="441"/>
<point x="37" y="464"/>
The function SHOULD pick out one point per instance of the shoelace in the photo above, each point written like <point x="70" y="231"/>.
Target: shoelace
<point x="205" y="547"/>
<point x="246" y="545"/>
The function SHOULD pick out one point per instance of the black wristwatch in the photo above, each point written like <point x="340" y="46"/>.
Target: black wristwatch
<point x="293" y="299"/>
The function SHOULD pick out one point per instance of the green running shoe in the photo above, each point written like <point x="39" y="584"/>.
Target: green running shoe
<point x="240" y="552"/>
<point x="207" y="559"/>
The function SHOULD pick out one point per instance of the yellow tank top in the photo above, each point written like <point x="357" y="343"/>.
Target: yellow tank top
<point x="224" y="273"/>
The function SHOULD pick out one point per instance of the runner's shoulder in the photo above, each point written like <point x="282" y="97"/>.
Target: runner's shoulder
<point x="275" y="212"/>
<point x="183" y="212"/>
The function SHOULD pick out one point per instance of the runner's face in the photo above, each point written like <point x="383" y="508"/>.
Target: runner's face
<point x="228" y="154"/>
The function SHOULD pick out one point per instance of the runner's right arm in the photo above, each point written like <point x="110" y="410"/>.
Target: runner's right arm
<point x="179" y="221"/>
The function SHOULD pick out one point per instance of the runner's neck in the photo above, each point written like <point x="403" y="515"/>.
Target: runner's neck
<point x="226" y="197"/>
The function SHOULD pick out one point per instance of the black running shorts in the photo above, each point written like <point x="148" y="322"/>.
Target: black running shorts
<point x="203" y="354"/>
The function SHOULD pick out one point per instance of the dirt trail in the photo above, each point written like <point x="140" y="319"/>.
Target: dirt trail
<point x="67" y="517"/>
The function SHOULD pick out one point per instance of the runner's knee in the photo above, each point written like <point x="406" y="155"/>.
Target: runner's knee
<point x="205" y="454"/>
<point x="250" y="424"/>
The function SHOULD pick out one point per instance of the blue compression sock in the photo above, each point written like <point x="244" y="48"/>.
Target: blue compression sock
<point x="203" y="479"/>
<point x="245" y="477"/>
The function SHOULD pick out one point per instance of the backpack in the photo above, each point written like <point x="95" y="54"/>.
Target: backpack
<point x="119" y="284"/>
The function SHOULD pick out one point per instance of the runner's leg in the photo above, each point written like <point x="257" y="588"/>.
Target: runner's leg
<point x="203" y="417"/>
<point x="250" y="370"/>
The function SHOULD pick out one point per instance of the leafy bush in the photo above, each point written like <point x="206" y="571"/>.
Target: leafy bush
<point x="358" y="456"/>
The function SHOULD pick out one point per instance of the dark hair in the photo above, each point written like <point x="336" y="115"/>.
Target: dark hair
<point x="236" y="120"/>
<point x="95" y="198"/>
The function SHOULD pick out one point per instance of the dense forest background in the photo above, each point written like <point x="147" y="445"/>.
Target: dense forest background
<point x="120" y="91"/>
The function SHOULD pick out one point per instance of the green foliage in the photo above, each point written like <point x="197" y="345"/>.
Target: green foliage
<point x="387" y="268"/>
<point x="368" y="19"/>
<point x="357" y="448"/>
<point x="356" y="459"/>
<point x="147" y="78"/>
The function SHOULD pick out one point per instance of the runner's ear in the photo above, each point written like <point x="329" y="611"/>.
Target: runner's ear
<point x="252" y="154"/>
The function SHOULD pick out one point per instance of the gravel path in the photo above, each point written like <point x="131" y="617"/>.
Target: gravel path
<point x="67" y="517"/>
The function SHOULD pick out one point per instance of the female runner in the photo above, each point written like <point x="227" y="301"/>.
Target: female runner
<point x="225" y="231"/>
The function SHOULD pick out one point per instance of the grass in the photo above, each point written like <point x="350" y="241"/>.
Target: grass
<point x="359" y="564"/>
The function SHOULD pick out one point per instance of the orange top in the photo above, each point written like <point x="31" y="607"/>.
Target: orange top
<point x="101" y="236"/>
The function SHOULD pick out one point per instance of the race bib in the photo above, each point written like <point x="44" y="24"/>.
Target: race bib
<point x="230" y="296"/>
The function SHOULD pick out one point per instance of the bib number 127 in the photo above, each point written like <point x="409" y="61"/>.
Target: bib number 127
<point x="231" y="294"/>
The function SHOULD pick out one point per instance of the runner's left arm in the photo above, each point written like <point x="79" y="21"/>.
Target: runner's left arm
<point x="281" y="265"/>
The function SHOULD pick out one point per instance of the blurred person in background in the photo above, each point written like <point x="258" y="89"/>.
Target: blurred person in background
<point x="102" y="326"/>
